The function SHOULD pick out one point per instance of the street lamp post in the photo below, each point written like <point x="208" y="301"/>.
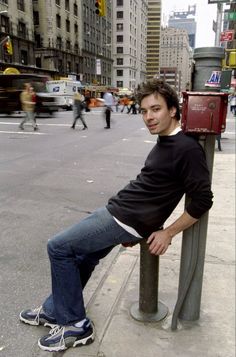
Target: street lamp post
<point x="218" y="23"/>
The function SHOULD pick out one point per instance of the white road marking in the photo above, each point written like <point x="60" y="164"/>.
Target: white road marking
<point x="22" y="132"/>
<point x="46" y="124"/>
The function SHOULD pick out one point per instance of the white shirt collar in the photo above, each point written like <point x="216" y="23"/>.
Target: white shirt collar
<point x="175" y="131"/>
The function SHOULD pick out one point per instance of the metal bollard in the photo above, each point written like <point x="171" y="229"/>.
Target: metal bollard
<point x="193" y="256"/>
<point x="148" y="309"/>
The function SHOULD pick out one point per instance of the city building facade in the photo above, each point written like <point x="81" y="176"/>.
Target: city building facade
<point x="57" y="37"/>
<point x="67" y="38"/>
<point x="185" y="20"/>
<point x="96" y="44"/>
<point x="129" y="42"/>
<point x="16" y="21"/>
<point x="176" y="54"/>
<point x="153" y="38"/>
<point x="57" y="26"/>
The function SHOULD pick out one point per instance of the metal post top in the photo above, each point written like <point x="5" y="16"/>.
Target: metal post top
<point x="209" y="52"/>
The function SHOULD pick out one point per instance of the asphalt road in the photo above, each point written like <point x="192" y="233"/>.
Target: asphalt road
<point x="49" y="180"/>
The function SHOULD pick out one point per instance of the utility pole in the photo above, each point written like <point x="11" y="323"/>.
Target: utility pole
<point x="218" y="23"/>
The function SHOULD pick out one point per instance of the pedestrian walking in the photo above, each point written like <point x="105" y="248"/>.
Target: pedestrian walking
<point x="34" y="100"/>
<point x="78" y="110"/>
<point x="132" y="106"/>
<point x="28" y="101"/>
<point x="109" y="102"/>
<point x="116" y="101"/>
<point x="218" y="140"/>
<point x="87" y="101"/>
<point x="233" y="103"/>
<point x="126" y="102"/>
<point x="176" y="165"/>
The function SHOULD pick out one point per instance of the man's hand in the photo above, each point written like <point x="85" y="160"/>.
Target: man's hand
<point x="159" y="242"/>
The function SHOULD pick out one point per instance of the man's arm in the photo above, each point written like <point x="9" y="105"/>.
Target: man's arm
<point x="159" y="241"/>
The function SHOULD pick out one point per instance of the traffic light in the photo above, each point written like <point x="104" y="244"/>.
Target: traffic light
<point x="100" y="7"/>
<point x="8" y="46"/>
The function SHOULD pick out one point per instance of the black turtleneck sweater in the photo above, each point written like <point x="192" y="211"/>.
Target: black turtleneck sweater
<point x="175" y="166"/>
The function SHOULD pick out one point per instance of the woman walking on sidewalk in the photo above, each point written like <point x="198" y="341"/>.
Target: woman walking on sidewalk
<point x="78" y="108"/>
<point x="28" y="101"/>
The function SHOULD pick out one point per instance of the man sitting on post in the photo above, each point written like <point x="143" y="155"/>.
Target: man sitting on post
<point x="176" y="165"/>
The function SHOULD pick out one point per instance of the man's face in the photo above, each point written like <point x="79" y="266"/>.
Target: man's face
<point x="157" y="117"/>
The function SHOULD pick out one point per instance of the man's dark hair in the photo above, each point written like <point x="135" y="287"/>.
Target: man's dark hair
<point x="159" y="86"/>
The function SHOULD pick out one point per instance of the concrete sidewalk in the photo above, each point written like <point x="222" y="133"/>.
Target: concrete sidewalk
<point x="115" y="288"/>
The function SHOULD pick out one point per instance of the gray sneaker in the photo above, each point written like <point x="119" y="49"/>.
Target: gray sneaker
<point x="37" y="317"/>
<point x="62" y="337"/>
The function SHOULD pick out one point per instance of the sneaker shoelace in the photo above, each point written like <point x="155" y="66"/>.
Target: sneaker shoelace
<point x="37" y="310"/>
<point x="56" y="330"/>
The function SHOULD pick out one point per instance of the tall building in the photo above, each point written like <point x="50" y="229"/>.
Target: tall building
<point x="59" y="37"/>
<point x="129" y="42"/>
<point x="176" y="53"/>
<point x="16" y="21"/>
<point x="57" y="28"/>
<point x="185" y="20"/>
<point x="96" y="45"/>
<point x="153" y="38"/>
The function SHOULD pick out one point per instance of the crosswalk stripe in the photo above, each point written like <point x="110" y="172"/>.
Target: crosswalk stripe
<point x="22" y="132"/>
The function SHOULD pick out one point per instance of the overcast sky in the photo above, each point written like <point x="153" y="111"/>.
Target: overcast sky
<point x="205" y="14"/>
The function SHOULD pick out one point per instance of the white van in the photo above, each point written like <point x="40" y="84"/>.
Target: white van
<point x="64" y="91"/>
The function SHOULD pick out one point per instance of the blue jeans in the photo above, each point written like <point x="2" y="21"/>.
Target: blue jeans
<point x="73" y="255"/>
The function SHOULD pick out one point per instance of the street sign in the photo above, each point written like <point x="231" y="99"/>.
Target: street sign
<point x="227" y="36"/>
<point x="98" y="66"/>
<point x="230" y="16"/>
<point x="214" y="80"/>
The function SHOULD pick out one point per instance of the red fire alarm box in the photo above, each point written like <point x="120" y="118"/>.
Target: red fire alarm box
<point x="204" y="112"/>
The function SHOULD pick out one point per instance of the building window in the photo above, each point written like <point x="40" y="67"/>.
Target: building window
<point x="119" y="2"/>
<point x="22" y="30"/>
<point x="59" y="43"/>
<point x="75" y="28"/>
<point x="5" y="24"/>
<point x="119" y="72"/>
<point x="76" y="48"/>
<point x="119" y="84"/>
<point x="119" y="49"/>
<point x="38" y="62"/>
<point x="120" y="61"/>
<point x="68" y="45"/>
<point x="68" y="66"/>
<point x="24" y="57"/>
<point x="67" y="25"/>
<point x="58" y="21"/>
<point x="119" y="14"/>
<point x="119" y="27"/>
<point x="58" y="2"/>
<point x="75" y="9"/>
<point x="119" y="38"/>
<point x="36" y="17"/>
<point x="20" y="5"/>
<point x="67" y="5"/>
<point x="38" y="40"/>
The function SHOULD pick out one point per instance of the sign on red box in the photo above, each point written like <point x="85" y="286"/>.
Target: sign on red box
<point x="227" y="36"/>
